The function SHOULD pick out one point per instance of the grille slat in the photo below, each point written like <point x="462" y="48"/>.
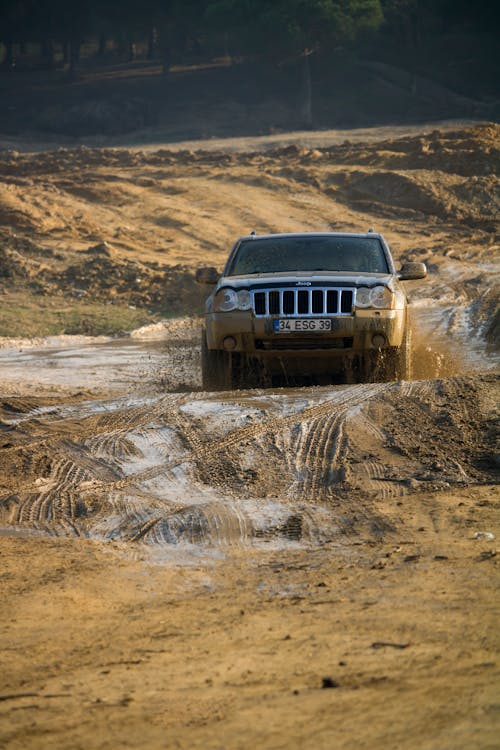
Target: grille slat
<point x="317" y="302"/>
<point x="346" y="301"/>
<point x="288" y="303"/>
<point x="303" y="302"/>
<point x="332" y="301"/>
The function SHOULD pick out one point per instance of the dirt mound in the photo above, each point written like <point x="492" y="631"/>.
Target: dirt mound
<point x="475" y="151"/>
<point x="124" y="229"/>
<point x="172" y="289"/>
<point x="474" y="201"/>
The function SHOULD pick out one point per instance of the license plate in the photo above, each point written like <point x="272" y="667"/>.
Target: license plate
<point x="304" y="325"/>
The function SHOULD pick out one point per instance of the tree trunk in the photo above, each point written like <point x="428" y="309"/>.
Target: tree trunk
<point x="152" y="44"/>
<point x="166" y="59"/>
<point x="47" y="54"/>
<point x="305" y="107"/>
<point x="414" y="39"/>
<point x="132" y="51"/>
<point x="74" y="58"/>
<point x="10" y="56"/>
<point x="103" y="39"/>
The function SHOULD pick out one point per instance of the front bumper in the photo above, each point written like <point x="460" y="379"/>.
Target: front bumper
<point x="364" y="330"/>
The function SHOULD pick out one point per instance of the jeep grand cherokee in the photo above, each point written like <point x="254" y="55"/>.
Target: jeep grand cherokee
<point x="296" y="307"/>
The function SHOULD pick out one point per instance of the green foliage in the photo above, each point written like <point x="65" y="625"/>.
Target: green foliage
<point x="270" y="23"/>
<point x="262" y="29"/>
<point x="277" y="26"/>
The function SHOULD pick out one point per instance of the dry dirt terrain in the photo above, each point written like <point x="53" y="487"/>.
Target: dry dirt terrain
<point x="308" y="567"/>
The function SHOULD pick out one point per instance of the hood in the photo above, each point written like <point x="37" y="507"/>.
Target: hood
<point x="305" y="279"/>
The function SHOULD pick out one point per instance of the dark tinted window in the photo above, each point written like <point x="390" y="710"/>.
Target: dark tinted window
<point x="282" y="254"/>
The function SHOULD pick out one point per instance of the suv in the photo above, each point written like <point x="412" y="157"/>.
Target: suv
<point x="298" y="308"/>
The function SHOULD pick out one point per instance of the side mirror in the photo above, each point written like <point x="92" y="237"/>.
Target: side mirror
<point x="412" y="270"/>
<point x="207" y="275"/>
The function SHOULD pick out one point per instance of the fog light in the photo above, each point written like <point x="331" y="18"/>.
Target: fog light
<point x="378" y="340"/>
<point x="229" y="343"/>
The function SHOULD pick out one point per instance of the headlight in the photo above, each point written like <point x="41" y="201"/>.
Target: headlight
<point x="229" y="299"/>
<point x="225" y="300"/>
<point x="363" y="297"/>
<point x="244" y="299"/>
<point x="381" y="296"/>
<point x="378" y="296"/>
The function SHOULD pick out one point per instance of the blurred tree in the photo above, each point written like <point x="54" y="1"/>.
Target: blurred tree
<point x="482" y="15"/>
<point x="281" y="30"/>
<point x="277" y="31"/>
<point x="404" y="19"/>
<point x="177" y="23"/>
<point x="14" y="28"/>
<point x="278" y="27"/>
<point x="411" y="23"/>
<point x="57" y="21"/>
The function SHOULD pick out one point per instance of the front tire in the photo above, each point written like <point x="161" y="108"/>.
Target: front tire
<point x="403" y="368"/>
<point x="386" y="365"/>
<point x="398" y="360"/>
<point x="215" y="367"/>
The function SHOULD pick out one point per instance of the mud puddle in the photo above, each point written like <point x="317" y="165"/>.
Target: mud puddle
<point x="116" y="365"/>
<point x="448" y="340"/>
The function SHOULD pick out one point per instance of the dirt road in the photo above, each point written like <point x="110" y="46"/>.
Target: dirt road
<point x="302" y="568"/>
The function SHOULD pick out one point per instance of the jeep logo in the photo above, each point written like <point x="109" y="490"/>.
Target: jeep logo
<point x="303" y="283"/>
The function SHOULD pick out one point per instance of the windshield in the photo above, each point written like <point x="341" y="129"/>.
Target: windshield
<point x="312" y="253"/>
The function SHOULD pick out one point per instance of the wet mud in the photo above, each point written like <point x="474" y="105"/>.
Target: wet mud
<point x="251" y="468"/>
<point x="115" y="440"/>
<point x="254" y="568"/>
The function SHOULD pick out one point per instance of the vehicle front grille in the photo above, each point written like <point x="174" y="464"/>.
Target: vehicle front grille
<point x="303" y="302"/>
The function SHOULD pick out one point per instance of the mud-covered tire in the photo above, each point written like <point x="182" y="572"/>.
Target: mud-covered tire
<point x="373" y="367"/>
<point x="398" y="360"/>
<point x="404" y="370"/>
<point x="394" y="363"/>
<point x="215" y="367"/>
<point x="246" y="372"/>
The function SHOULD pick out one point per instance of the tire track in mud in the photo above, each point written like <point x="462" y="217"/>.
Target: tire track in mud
<point x="75" y="465"/>
<point x="77" y="470"/>
<point x="203" y="449"/>
<point x="312" y="475"/>
<point x="114" y="440"/>
<point x="322" y="461"/>
<point x="213" y="524"/>
<point x="59" y="499"/>
<point x="375" y="476"/>
<point x="111" y="420"/>
<point x="318" y="455"/>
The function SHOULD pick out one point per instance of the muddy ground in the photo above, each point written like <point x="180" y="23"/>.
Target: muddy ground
<point x="300" y="567"/>
<point x="100" y="241"/>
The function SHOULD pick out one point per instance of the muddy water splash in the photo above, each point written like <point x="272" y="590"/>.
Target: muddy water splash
<point x="451" y="322"/>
